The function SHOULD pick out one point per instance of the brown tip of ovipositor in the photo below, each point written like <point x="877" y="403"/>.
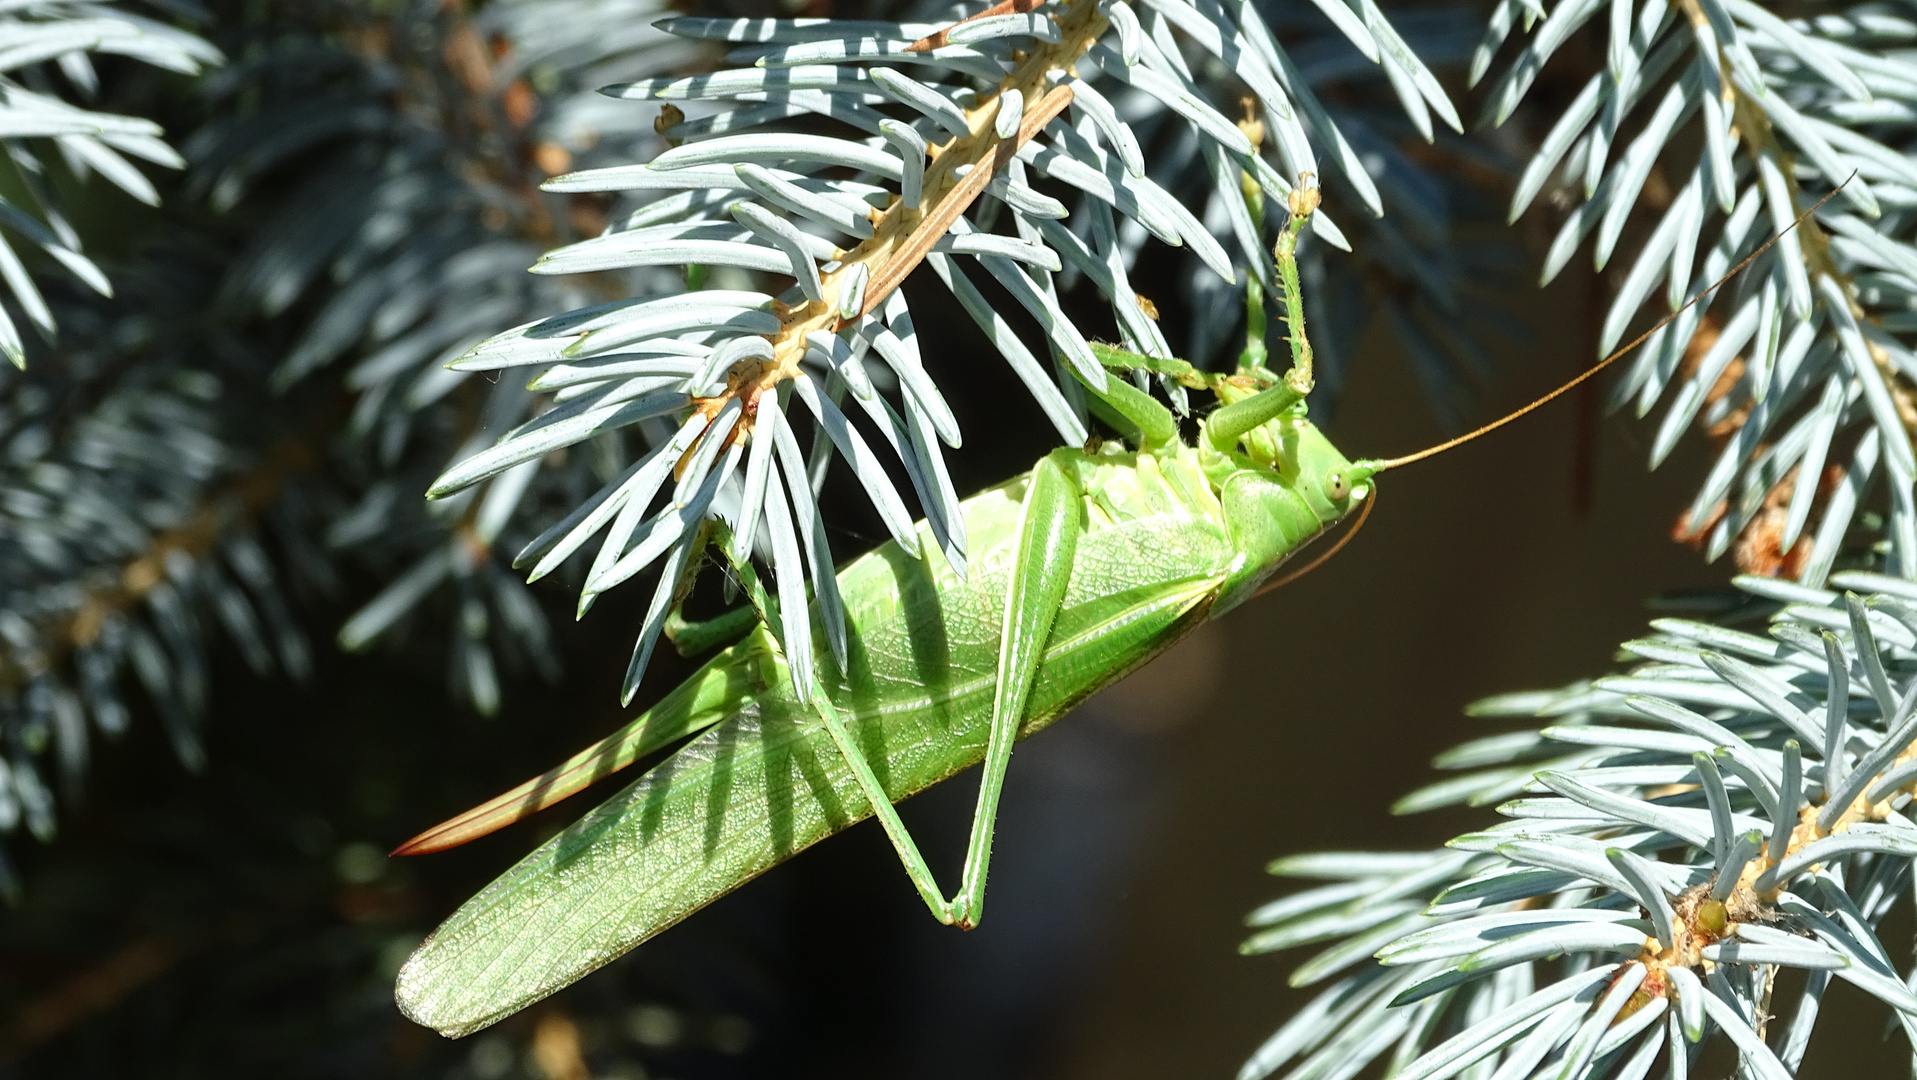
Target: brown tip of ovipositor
<point x="443" y="836"/>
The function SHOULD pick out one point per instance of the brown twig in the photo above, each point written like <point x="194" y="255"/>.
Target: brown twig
<point x="903" y="233"/>
<point x="956" y="201"/>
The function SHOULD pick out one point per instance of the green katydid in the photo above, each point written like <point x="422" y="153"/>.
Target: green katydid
<point x="1084" y="569"/>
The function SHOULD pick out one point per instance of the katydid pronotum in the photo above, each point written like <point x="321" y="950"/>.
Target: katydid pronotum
<point x="1085" y="568"/>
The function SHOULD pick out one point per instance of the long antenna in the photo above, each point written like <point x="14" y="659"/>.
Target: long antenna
<point x="1606" y="362"/>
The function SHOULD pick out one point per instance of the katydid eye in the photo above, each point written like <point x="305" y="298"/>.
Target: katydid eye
<point x="1336" y="487"/>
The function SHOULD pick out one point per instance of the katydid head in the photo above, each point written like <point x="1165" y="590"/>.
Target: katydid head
<point x="1329" y="483"/>
<point x="1351" y="483"/>
<point x="1273" y="510"/>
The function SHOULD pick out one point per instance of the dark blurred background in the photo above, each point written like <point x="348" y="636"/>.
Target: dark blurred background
<point x="247" y="922"/>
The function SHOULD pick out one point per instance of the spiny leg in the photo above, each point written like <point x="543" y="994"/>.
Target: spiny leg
<point x="1041" y="567"/>
<point x="765" y="609"/>
<point x="1224" y="427"/>
<point x="1049" y="527"/>
<point x="1302" y="202"/>
<point x="907" y="848"/>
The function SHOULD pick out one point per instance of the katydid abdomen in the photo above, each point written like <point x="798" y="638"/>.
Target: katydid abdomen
<point x="762" y="780"/>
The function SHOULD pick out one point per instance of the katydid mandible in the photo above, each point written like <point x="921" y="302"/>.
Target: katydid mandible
<point x="1085" y="568"/>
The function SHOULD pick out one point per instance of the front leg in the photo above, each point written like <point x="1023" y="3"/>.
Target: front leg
<point x="1225" y="427"/>
<point x="1049" y="528"/>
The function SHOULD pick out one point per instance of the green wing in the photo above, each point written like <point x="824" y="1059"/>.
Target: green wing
<point x="719" y="689"/>
<point x="765" y="782"/>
